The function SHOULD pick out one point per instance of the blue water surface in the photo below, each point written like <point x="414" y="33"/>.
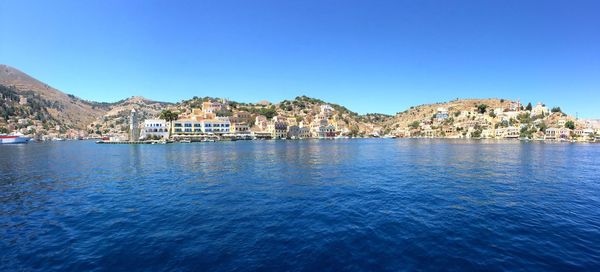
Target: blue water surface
<point x="343" y="205"/>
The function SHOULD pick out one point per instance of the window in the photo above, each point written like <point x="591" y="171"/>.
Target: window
<point x="188" y="130"/>
<point x="177" y="130"/>
<point x="177" y="124"/>
<point x="196" y="125"/>
<point x="188" y="125"/>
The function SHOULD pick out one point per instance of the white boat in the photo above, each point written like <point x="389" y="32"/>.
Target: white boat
<point x="13" y="139"/>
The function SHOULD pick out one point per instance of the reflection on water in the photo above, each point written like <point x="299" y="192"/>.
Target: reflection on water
<point x="300" y="205"/>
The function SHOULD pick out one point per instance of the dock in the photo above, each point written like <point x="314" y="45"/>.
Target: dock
<point x="127" y="142"/>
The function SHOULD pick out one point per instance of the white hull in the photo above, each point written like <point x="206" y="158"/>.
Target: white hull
<point x="14" y="140"/>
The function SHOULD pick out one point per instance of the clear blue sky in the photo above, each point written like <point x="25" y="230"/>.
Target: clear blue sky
<point x="371" y="56"/>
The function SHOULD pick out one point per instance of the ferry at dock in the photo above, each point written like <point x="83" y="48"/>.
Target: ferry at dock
<point x="13" y="139"/>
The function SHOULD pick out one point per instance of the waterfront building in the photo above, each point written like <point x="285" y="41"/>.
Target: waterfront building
<point x="304" y="132"/>
<point x="278" y="129"/>
<point x="586" y="133"/>
<point x="153" y="128"/>
<point x="552" y="133"/>
<point x="240" y="128"/>
<point x="512" y="132"/>
<point x="261" y="135"/>
<point x="134" y="133"/>
<point x="564" y="133"/>
<point x="186" y="127"/>
<point x="325" y="131"/>
<point x="220" y="125"/>
<point x="429" y="133"/>
<point x="499" y="132"/>
<point x="293" y="132"/>
<point x="316" y="126"/>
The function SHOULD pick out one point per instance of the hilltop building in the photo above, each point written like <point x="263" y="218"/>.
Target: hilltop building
<point x="539" y="110"/>
<point x="211" y="106"/>
<point x="22" y="100"/>
<point x="442" y="113"/>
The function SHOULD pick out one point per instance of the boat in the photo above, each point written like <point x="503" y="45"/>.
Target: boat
<point x="13" y="139"/>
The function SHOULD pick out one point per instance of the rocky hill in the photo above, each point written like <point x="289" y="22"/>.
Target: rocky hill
<point x="67" y="110"/>
<point x="116" y="119"/>
<point x="427" y="111"/>
<point x="32" y="107"/>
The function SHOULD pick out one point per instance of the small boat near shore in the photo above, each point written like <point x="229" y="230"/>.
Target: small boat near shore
<point x="13" y="139"/>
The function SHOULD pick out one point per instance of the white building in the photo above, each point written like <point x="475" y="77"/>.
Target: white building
<point x="512" y="132"/>
<point x="153" y="128"/>
<point x="441" y="114"/>
<point x="186" y="126"/>
<point x="220" y="125"/>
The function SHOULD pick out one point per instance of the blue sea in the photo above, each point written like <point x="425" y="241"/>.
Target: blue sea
<point x="329" y="205"/>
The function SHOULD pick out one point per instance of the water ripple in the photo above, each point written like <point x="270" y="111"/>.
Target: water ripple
<point x="350" y="205"/>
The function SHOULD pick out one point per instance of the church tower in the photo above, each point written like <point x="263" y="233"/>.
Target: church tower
<point x="134" y="133"/>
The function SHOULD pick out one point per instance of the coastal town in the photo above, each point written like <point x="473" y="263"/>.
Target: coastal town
<point x="213" y="119"/>
<point x="31" y="109"/>
<point x="217" y="120"/>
